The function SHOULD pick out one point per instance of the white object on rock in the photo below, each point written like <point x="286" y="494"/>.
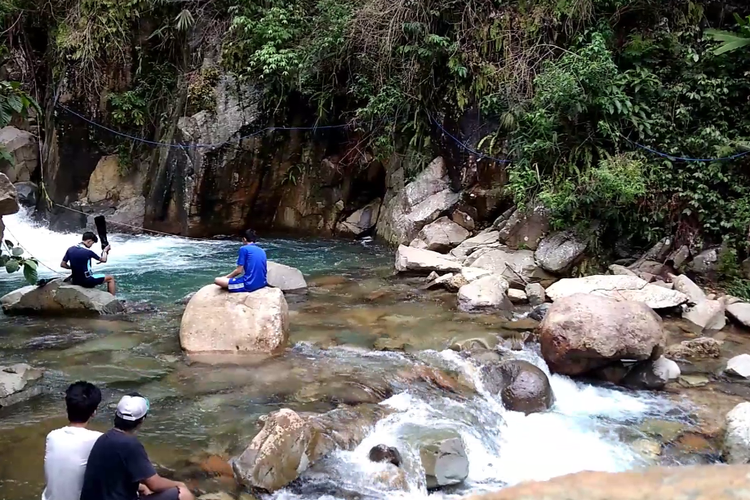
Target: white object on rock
<point x="739" y="366"/>
<point x="216" y="321"/>
<point x="618" y="287"/>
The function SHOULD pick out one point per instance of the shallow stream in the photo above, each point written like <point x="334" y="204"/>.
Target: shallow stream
<point x="354" y="304"/>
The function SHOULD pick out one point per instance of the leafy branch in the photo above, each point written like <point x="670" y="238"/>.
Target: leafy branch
<point x="14" y="260"/>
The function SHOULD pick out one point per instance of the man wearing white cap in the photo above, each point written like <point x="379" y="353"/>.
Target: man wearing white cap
<point x="118" y="466"/>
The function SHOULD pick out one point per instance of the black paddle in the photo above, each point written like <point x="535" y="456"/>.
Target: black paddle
<point x="101" y="228"/>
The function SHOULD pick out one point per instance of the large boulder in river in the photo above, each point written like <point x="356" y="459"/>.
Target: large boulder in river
<point x="60" y="299"/>
<point x="419" y="203"/>
<point x="442" y="235"/>
<point x="18" y="383"/>
<point x="522" y="386"/>
<point x="485" y="294"/>
<point x="517" y="266"/>
<point x="618" y="287"/>
<point x="8" y="196"/>
<point x="583" y="332"/>
<point x="216" y="321"/>
<point x="737" y="436"/>
<point x="286" y="278"/>
<point x="419" y="260"/>
<point x="290" y="443"/>
<point x="558" y="252"/>
<point x="361" y="221"/>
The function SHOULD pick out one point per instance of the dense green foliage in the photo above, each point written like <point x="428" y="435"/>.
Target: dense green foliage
<point x="13" y="260"/>
<point x="567" y="89"/>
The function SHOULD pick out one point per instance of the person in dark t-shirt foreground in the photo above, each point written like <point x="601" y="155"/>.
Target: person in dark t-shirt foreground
<point x="118" y="466"/>
<point x="78" y="260"/>
<point x="252" y="268"/>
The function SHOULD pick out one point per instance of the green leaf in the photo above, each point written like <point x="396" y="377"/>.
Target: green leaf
<point x="730" y="41"/>
<point x="30" y="273"/>
<point x="12" y="266"/>
<point x="4" y="260"/>
<point x="31" y="263"/>
<point x="15" y="103"/>
<point x="17" y="251"/>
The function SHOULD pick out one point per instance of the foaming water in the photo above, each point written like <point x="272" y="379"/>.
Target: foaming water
<point x="503" y="447"/>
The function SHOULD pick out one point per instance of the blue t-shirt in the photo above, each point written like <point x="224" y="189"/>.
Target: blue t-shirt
<point x="253" y="259"/>
<point x="116" y="465"/>
<point x="79" y="258"/>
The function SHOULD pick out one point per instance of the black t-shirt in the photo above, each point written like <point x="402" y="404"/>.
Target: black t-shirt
<point x="117" y="463"/>
<point x="79" y="258"/>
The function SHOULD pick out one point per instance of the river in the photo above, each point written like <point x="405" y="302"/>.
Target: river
<point x="354" y="303"/>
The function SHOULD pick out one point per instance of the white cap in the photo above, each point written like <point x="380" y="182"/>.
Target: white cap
<point x="132" y="408"/>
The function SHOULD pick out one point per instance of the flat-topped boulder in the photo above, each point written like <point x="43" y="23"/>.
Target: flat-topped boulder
<point x="618" y="287"/>
<point x="419" y="260"/>
<point x="18" y="383"/>
<point x="442" y="235"/>
<point x="216" y="321"/>
<point x="286" y="278"/>
<point x="60" y="299"/>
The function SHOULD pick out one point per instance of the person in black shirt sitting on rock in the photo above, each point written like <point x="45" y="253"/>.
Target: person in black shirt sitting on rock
<point x="118" y="466"/>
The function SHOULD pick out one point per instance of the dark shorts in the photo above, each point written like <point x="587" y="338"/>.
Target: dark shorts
<point x="92" y="282"/>
<point x="170" y="494"/>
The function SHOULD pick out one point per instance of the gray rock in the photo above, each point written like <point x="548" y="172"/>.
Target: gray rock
<point x="619" y="270"/>
<point x="706" y="262"/>
<point x="525" y="228"/>
<point x="535" y="293"/>
<point x="558" y="252"/>
<point x="417" y="260"/>
<point x="442" y="235"/>
<point x="8" y="196"/>
<point x="700" y="348"/>
<point x="445" y="462"/>
<point x="27" y="193"/>
<point x="517" y="296"/>
<point x="539" y="312"/>
<point x="474" y="273"/>
<point x="480" y="240"/>
<point x="685" y="285"/>
<point x="739" y="366"/>
<point x="679" y="256"/>
<point x="652" y="375"/>
<point x="618" y="287"/>
<point x="463" y="219"/>
<point x="361" y="221"/>
<point x="708" y="315"/>
<point x="660" y="251"/>
<point x="485" y="294"/>
<point x="17" y="383"/>
<point x="522" y="386"/>
<point x="60" y="299"/>
<point x="452" y="282"/>
<point x="383" y="453"/>
<point x="23" y="148"/>
<point x="287" y="278"/>
<point x="517" y="266"/>
<point x="418" y="243"/>
<point x="740" y="312"/>
<point x="737" y="436"/>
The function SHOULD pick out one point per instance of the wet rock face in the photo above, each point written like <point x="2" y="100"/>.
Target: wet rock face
<point x="584" y="332"/>
<point x="522" y="386"/>
<point x="705" y="482"/>
<point x="383" y="453"/>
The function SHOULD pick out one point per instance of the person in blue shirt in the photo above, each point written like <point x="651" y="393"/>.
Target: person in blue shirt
<point x="78" y="260"/>
<point x="252" y="269"/>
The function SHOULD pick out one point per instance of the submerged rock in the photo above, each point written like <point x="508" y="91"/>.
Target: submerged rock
<point x="383" y="453"/>
<point x="522" y="386"/>
<point x="417" y="260"/>
<point x="485" y="294"/>
<point x="707" y="314"/>
<point x="702" y="347"/>
<point x="444" y="461"/>
<point x="222" y="322"/>
<point x="442" y="235"/>
<point x="18" y="383"/>
<point x="704" y="482"/>
<point x="285" y="278"/>
<point x="60" y="299"/>
<point x="290" y="443"/>
<point x="558" y="252"/>
<point x="737" y="437"/>
<point x="618" y="287"/>
<point x="584" y="332"/>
